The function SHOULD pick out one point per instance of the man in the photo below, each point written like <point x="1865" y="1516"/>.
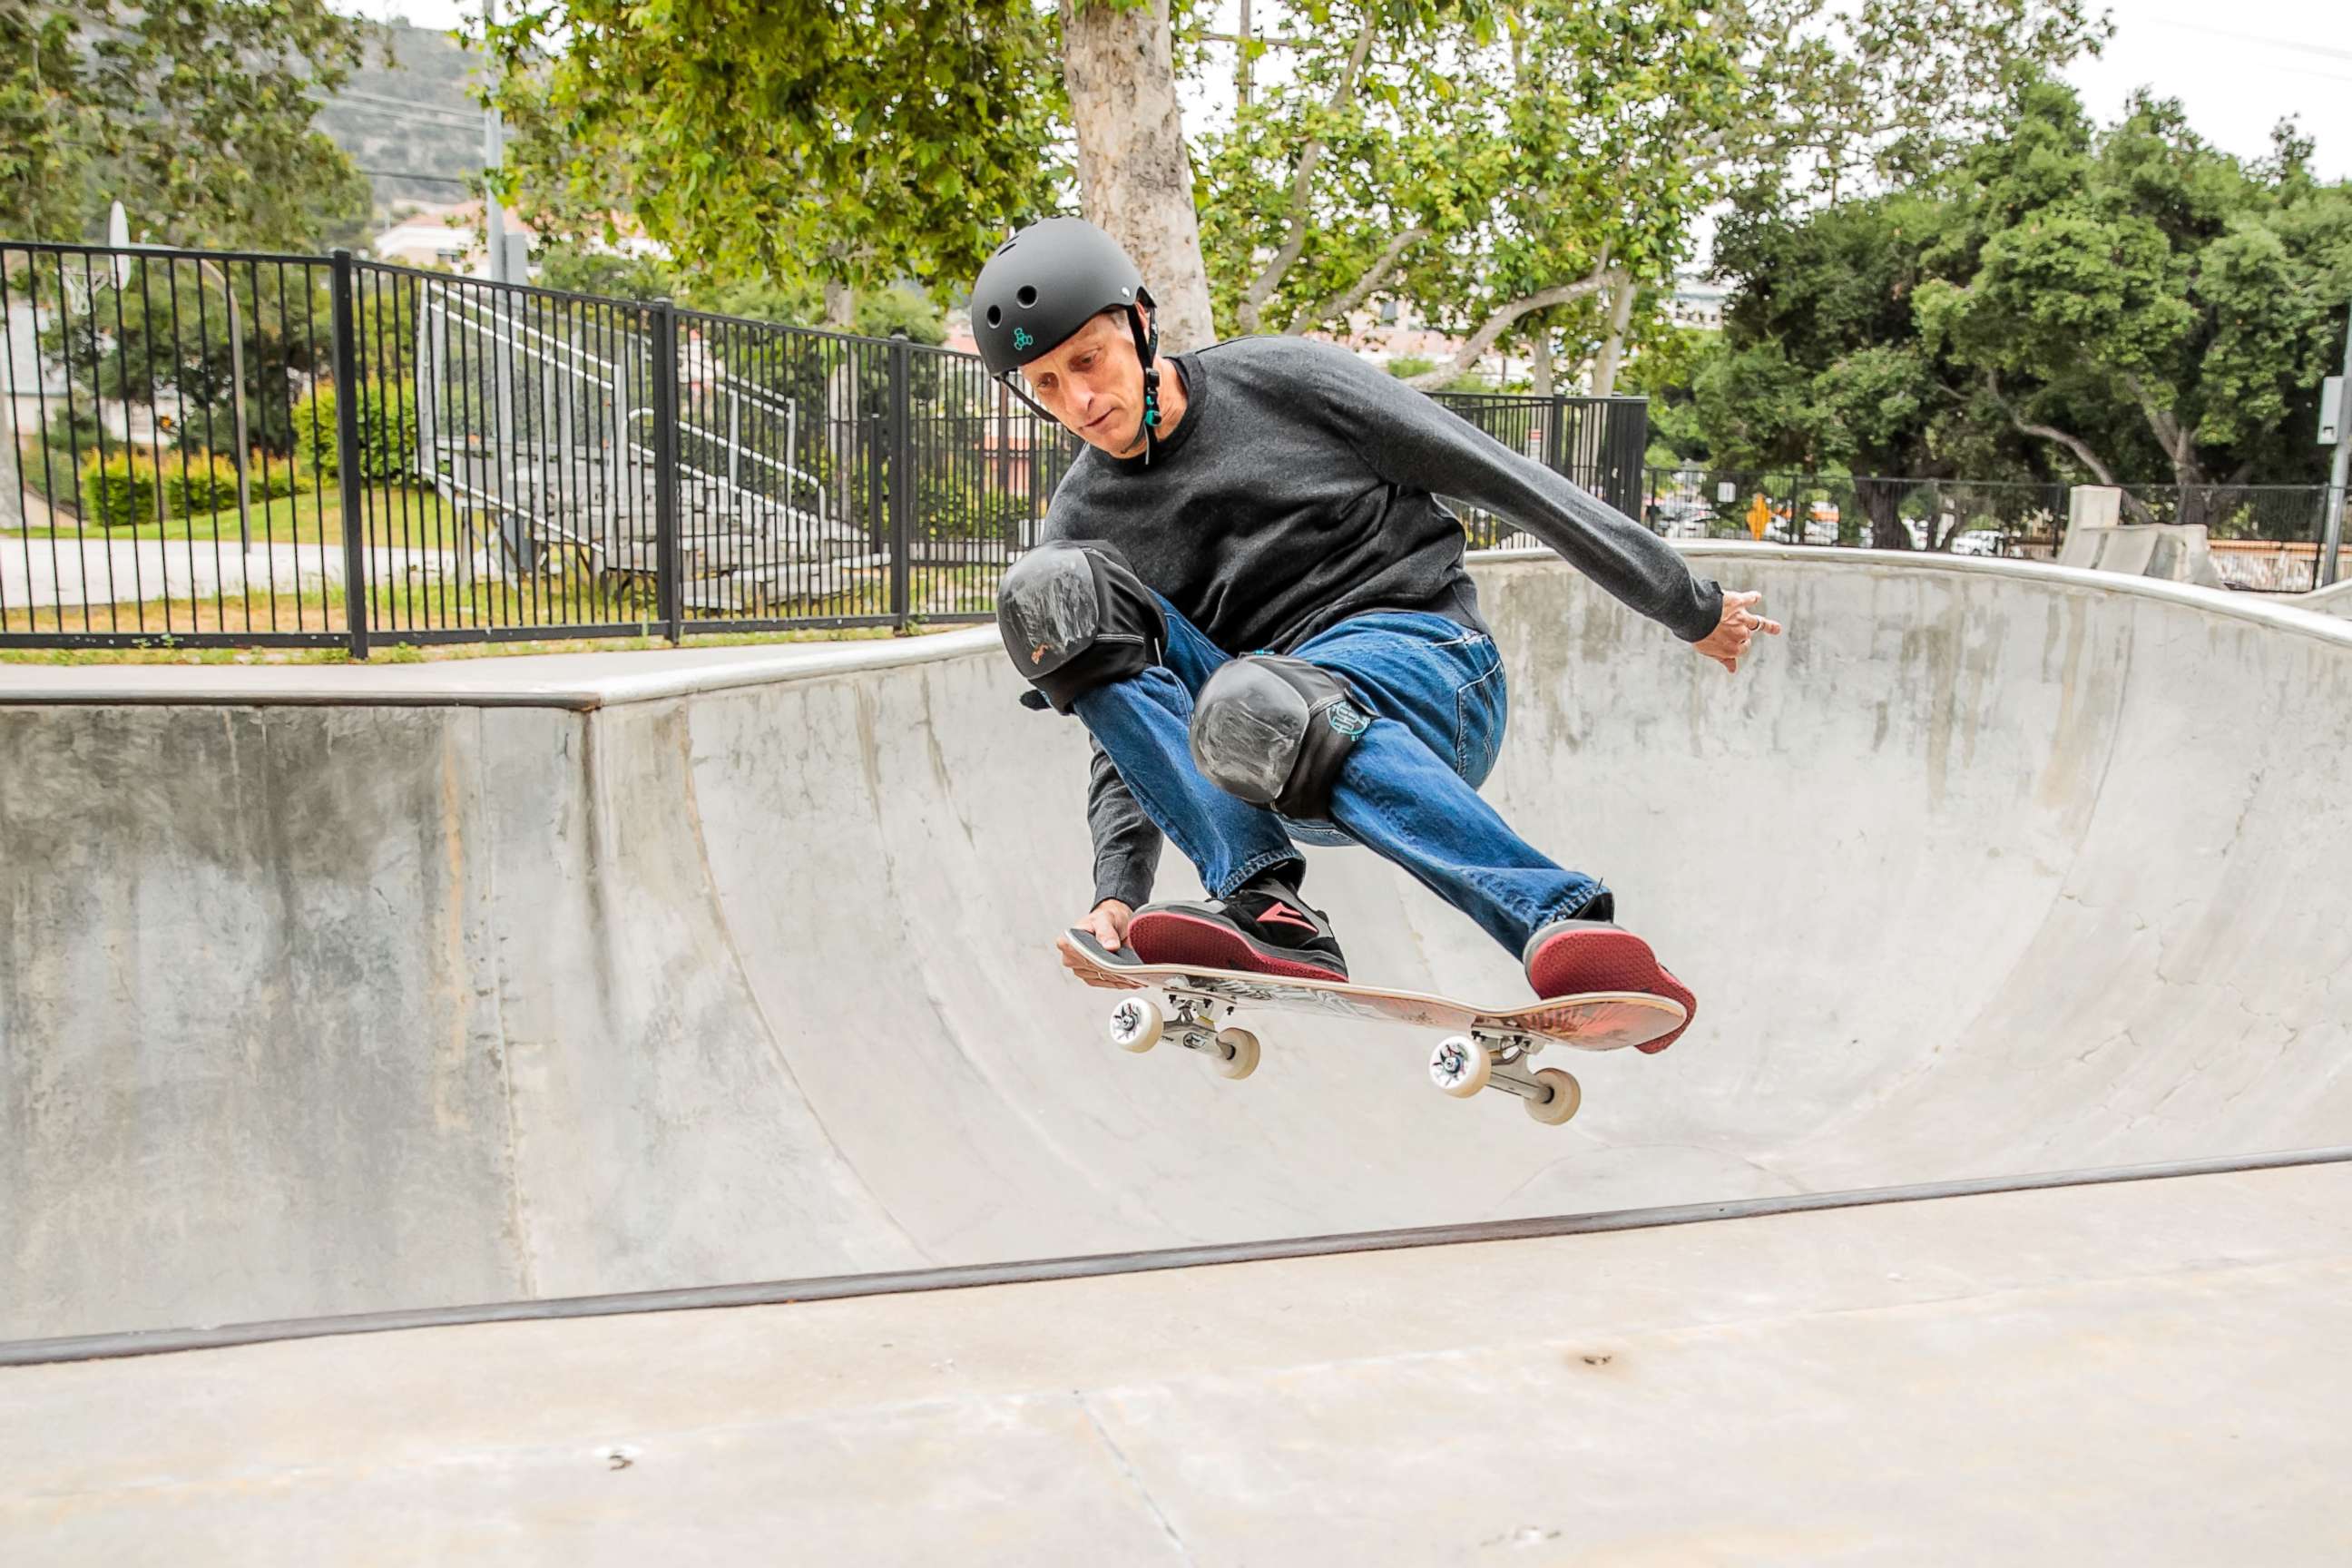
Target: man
<point x="1250" y="595"/>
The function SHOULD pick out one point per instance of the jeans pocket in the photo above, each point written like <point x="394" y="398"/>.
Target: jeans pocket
<point x="1479" y="718"/>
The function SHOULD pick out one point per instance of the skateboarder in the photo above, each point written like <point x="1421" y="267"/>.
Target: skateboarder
<point x="1249" y="593"/>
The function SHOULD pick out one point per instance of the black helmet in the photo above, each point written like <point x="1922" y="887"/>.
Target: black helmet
<point x="1046" y="283"/>
<point x="1043" y="285"/>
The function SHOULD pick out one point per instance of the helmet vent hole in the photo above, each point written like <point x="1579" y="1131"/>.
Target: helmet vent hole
<point x="996" y="315"/>
<point x="1026" y="295"/>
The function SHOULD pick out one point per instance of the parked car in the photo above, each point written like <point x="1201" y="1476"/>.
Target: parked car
<point x="1978" y="541"/>
<point x="1679" y="517"/>
<point x="1816" y="531"/>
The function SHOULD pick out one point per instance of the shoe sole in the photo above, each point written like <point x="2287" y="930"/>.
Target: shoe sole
<point x="1167" y="937"/>
<point x="1609" y="959"/>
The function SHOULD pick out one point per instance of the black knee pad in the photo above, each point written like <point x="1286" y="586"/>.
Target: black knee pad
<point x="1274" y="730"/>
<point x="1074" y="616"/>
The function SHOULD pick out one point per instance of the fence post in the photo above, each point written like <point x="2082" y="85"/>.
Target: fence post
<point x="347" y="452"/>
<point x="902" y="477"/>
<point x="1624" y="442"/>
<point x="668" y="590"/>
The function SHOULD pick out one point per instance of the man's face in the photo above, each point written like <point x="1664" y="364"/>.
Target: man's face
<point x="1094" y="384"/>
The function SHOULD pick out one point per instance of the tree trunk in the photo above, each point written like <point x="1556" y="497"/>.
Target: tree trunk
<point x="1882" y="504"/>
<point x="1135" y="174"/>
<point x="1613" y="348"/>
<point x="1539" y="361"/>
<point x="840" y="305"/>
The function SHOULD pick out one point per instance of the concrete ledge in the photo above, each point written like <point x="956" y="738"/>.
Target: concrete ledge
<point x="585" y="681"/>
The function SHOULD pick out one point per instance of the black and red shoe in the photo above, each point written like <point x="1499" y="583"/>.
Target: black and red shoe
<point x="1263" y="929"/>
<point x="1570" y="957"/>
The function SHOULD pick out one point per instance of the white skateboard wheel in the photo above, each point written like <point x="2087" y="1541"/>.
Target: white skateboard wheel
<point x="1235" y="1054"/>
<point x="1136" y="1023"/>
<point x="1567" y="1094"/>
<point x="1460" y="1066"/>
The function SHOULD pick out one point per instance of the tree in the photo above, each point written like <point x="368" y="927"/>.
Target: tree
<point x="784" y="143"/>
<point x="1525" y="171"/>
<point x="1135" y="172"/>
<point x="2138" y="303"/>
<point x="196" y="115"/>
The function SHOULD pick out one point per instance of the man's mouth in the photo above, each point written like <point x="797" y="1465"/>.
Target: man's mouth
<point x="1097" y="419"/>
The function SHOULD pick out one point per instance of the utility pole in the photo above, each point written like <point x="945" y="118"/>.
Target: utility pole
<point x="2339" y="470"/>
<point x="494" y="158"/>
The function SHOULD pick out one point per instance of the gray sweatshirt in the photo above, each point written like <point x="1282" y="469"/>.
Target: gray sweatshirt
<point x="1300" y="487"/>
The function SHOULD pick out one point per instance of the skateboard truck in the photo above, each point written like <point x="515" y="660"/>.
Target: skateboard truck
<point x="1462" y="1065"/>
<point x="1137" y="1024"/>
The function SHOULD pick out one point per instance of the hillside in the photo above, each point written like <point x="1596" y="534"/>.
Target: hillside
<point x="410" y="117"/>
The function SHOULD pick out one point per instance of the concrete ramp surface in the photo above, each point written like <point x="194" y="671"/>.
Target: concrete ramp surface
<point x="330" y="990"/>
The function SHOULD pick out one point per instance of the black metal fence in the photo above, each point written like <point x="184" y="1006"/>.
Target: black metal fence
<point x="1961" y="516"/>
<point x="2264" y="538"/>
<point x="251" y="449"/>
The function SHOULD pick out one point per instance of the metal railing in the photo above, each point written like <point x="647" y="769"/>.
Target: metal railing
<point x="2264" y="538"/>
<point x="1961" y="516"/>
<point x="214" y="448"/>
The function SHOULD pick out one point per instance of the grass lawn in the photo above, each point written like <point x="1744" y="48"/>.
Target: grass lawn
<point x="559" y="598"/>
<point x="395" y="515"/>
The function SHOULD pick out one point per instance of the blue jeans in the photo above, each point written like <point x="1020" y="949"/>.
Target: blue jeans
<point x="1408" y="789"/>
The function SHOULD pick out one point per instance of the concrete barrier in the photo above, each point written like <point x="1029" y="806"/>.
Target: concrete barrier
<point x="333" y="989"/>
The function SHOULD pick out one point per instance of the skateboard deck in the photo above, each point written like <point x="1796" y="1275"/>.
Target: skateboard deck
<point x="1486" y="1047"/>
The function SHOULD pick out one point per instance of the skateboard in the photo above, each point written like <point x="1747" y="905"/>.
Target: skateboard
<point x="1487" y="1047"/>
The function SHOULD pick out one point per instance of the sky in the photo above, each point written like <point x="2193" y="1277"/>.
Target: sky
<point x="2239" y="68"/>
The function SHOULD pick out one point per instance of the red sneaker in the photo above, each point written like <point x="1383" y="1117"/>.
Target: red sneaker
<point x="1567" y="958"/>
<point x="1264" y="929"/>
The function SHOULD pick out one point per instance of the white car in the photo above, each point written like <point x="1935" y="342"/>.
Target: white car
<point x="1978" y="541"/>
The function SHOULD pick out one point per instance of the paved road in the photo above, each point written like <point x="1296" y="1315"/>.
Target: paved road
<point x="42" y="573"/>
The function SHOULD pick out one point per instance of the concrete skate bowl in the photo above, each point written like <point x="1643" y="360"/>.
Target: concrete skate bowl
<point x="741" y="971"/>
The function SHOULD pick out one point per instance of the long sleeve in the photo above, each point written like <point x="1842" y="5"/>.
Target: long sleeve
<point x="1414" y="441"/>
<point x="1127" y="842"/>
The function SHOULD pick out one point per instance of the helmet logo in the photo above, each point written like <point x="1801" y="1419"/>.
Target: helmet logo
<point x="1021" y="339"/>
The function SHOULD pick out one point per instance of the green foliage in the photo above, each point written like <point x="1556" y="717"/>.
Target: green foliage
<point x="198" y="483"/>
<point x="947" y="506"/>
<point x="197" y="115"/>
<point x="789" y="141"/>
<point x="2059" y="302"/>
<point x="605" y="273"/>
<point x="118" y="491"/>
<point x="1407" y="367"/>
<point x="387" y="433"/>
<point x="1526" y="168"/>
<point x="160" y="337"/>
<point x="2138" y="303"/>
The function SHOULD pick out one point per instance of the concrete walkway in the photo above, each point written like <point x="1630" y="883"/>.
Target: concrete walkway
<point x="2146" y="1374"/>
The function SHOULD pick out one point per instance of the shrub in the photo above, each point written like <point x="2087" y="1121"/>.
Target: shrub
<point x="387" y="433"/>
<point x="950" y="509"/>
<point x="119" y="491"/>
<point x="205" y="482"/>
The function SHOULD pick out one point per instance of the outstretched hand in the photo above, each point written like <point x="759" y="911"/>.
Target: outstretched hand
<point x="1106" y="923"/>
<point x="1740" y="624"/>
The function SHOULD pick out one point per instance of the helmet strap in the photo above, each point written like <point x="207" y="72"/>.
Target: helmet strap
<point x="1147" y="349"/>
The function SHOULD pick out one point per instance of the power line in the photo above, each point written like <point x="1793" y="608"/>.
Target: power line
<point x="409" y="105"/>
<point x="413" y="174"/>
<point x="2300" y="46"/>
